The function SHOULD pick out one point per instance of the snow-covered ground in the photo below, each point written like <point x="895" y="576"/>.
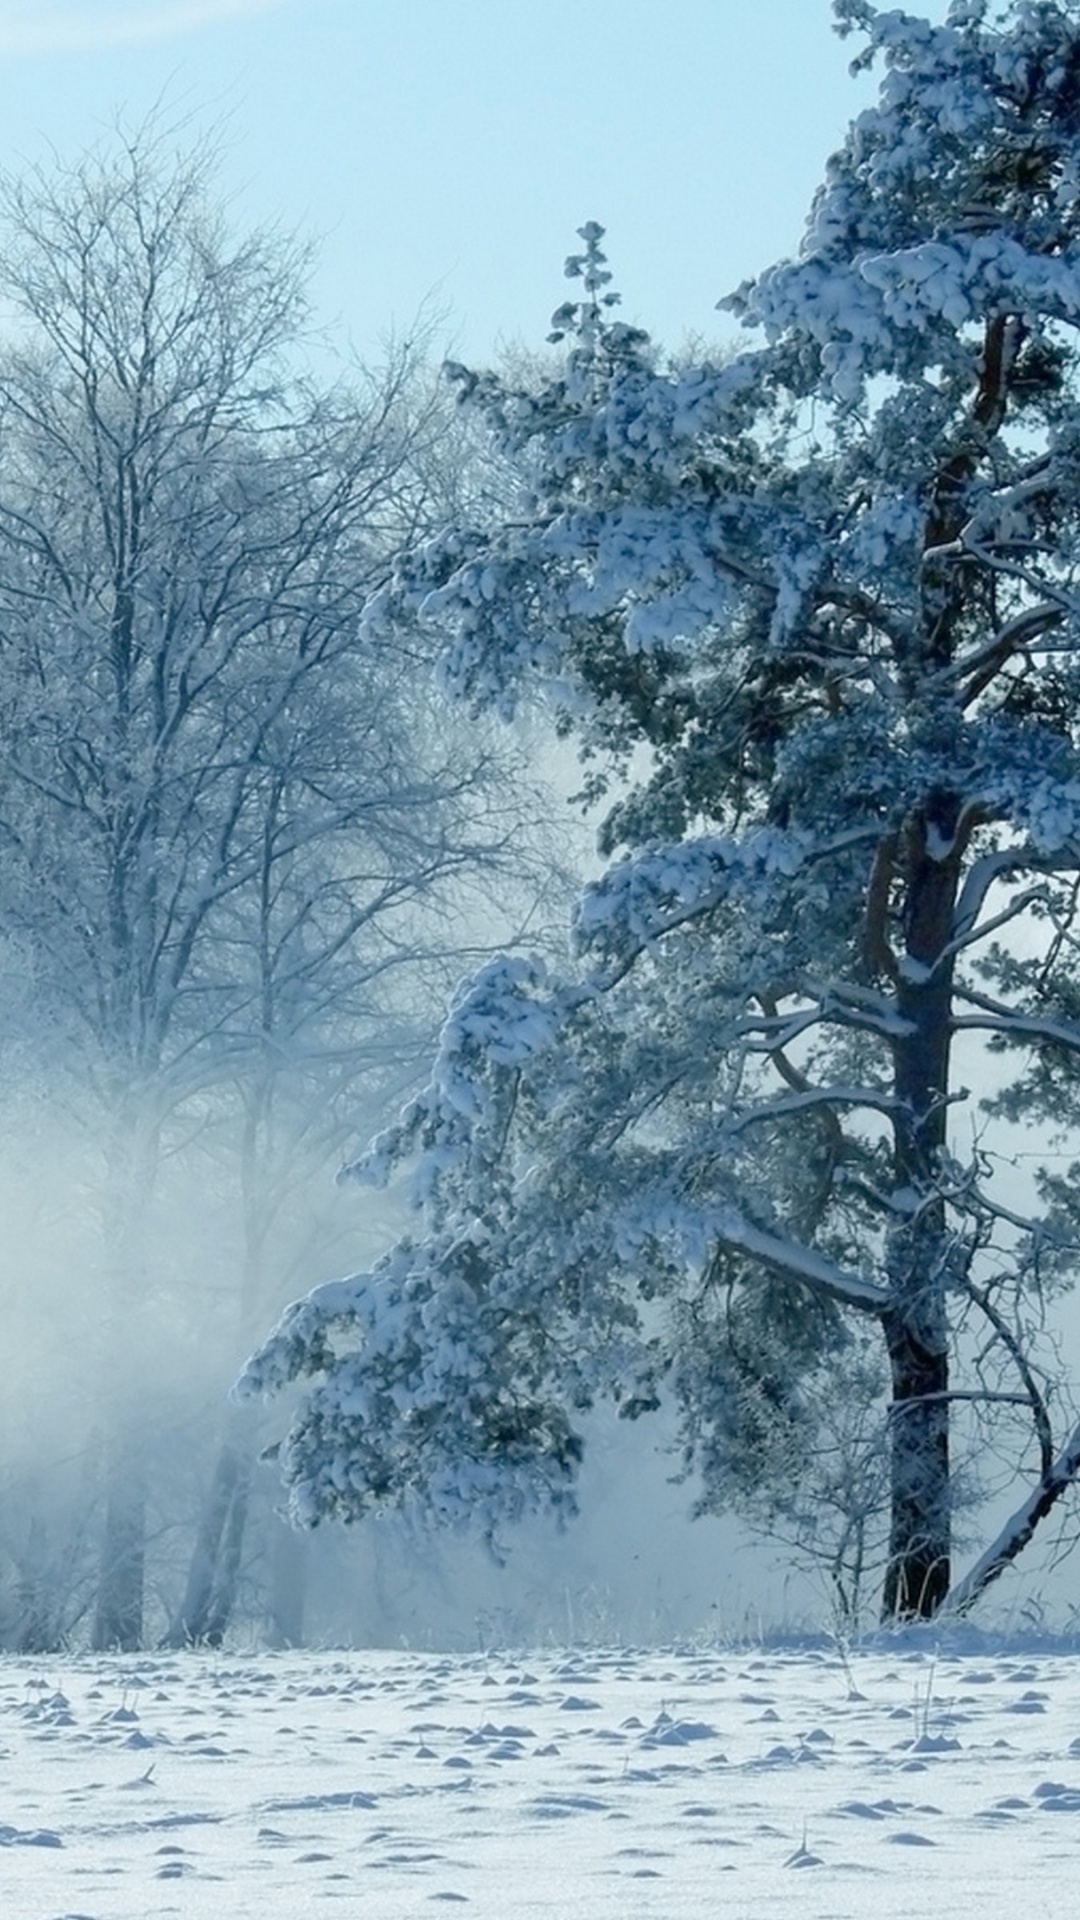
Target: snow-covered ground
<point x="587" y="1785"/>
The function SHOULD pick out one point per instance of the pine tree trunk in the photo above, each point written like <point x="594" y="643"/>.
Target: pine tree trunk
<point x="918" y="1570"/>
<point x="916" y="1328"/>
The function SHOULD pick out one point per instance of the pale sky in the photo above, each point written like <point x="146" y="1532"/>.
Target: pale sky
<point x="447" y="150"/>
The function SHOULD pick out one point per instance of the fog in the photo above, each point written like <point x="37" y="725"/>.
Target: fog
<point x="632" y="1567"/>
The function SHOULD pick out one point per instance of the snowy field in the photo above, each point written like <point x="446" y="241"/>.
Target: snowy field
<point x="610" y="1785"/>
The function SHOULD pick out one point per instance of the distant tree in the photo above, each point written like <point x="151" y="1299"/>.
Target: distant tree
<point x="347" y="950"/>
<point x="227" y="824"/>
<point x="826" y="595"/>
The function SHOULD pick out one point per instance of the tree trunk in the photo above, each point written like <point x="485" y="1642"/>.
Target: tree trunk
<point x="918" y="1571"/>
<point x="127" y="1354"/>
<point x="214" y="1570"/>
<point x="231" y="1552"/>
<point x="118" y="1615"/>
<point x="288" y="1570"/>
<point x="916" y="1328"/>
<point x="33" y="1626"/>
<point x="213" y="1574"/>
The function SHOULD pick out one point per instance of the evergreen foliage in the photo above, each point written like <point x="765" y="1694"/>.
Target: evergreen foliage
<point x="811" y="614"/>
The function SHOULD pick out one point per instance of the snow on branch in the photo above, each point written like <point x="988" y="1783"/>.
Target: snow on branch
<point x="1013" y="1023"/>
<point x="500" y="1022"/>
<point x="850" y="1005"/>
<point x="869" y="1099"/>
<point x="803" y="1264"/>
<point x="644" y="897"/>
<point x="970" y="276"/>
<point x="297" y="1345"/>
<point x="1018" y="1529"/>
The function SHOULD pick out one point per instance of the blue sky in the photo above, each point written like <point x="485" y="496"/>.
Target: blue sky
<point x="446" y="150"/>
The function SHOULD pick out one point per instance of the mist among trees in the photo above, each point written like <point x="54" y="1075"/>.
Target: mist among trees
<point x="737" y="1165"/>
<point x="243" y="850"/>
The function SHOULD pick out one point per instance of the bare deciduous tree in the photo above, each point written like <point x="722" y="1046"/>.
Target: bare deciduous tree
<point x="227" y="826"/>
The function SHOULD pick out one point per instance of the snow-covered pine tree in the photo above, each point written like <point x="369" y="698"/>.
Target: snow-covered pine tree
<point x="826" y="594"/>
